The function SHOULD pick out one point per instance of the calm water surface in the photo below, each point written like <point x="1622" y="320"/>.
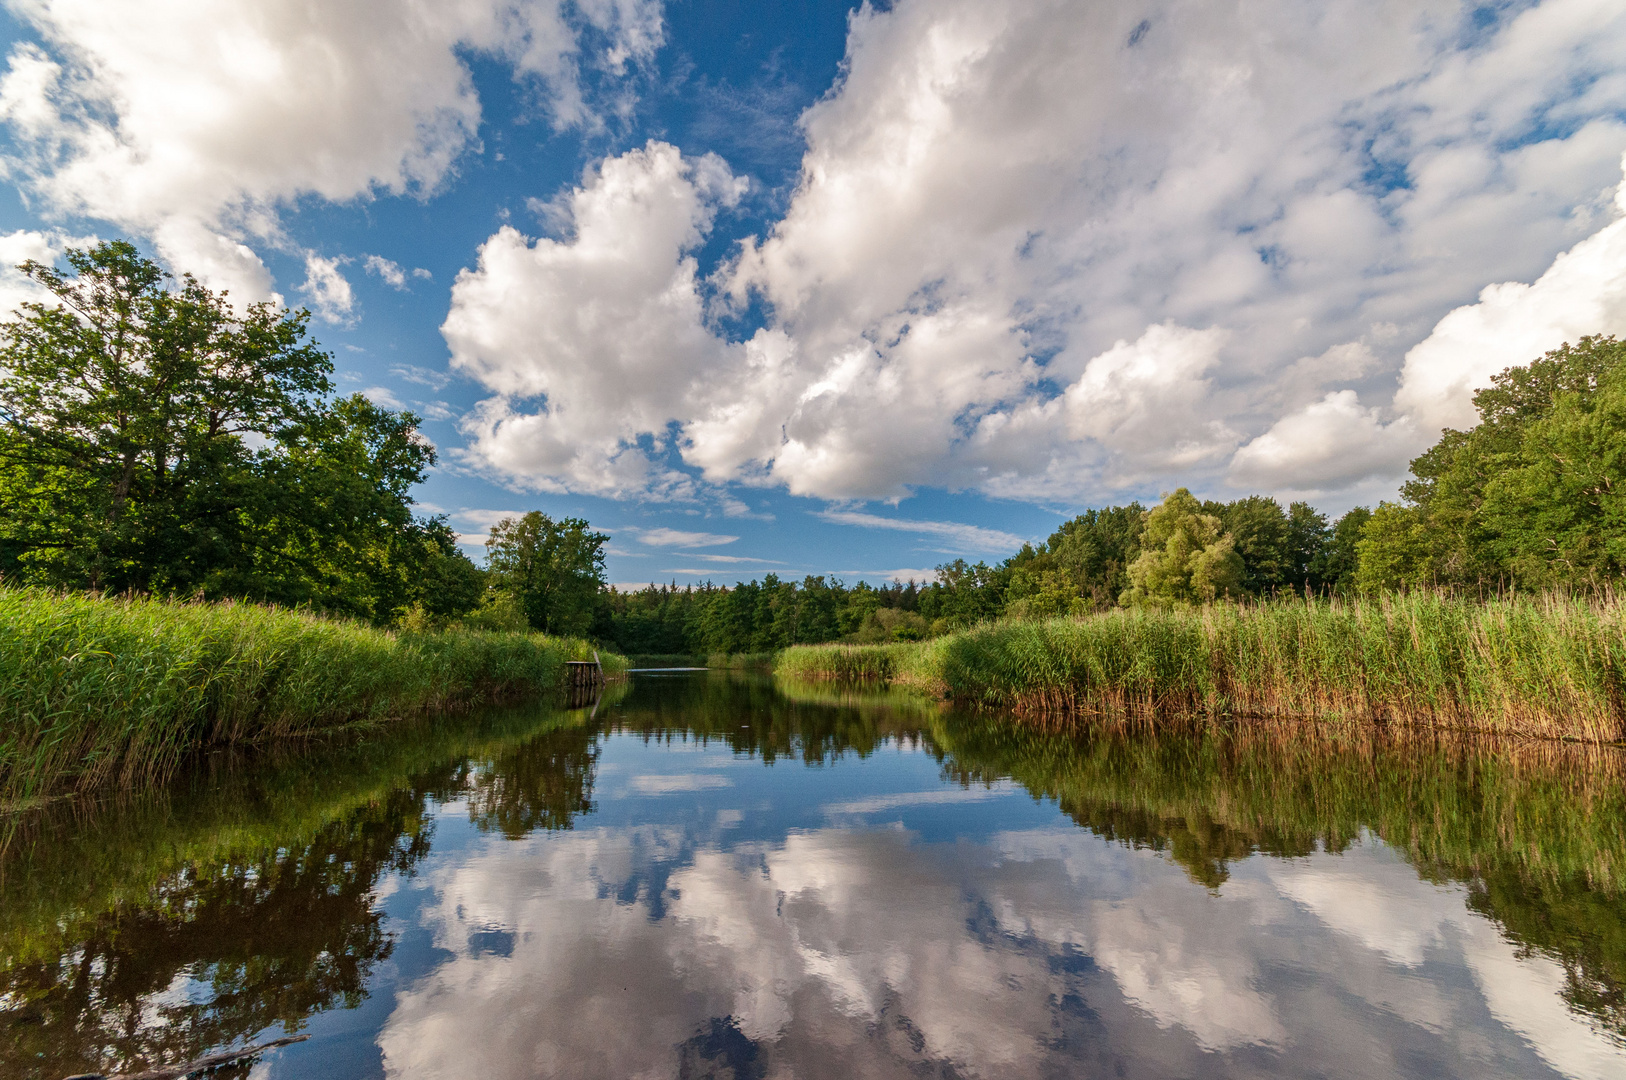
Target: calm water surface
<point x="714" y="877"/>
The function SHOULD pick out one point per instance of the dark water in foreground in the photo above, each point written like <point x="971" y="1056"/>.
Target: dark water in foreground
<point x="712" y="877"/>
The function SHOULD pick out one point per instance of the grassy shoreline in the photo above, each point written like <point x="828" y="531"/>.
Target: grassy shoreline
<point x="1549" y="667"/>
<point x="96" y="690"/>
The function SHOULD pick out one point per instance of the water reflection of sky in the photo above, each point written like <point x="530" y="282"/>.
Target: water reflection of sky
<point x="865" y="918"/>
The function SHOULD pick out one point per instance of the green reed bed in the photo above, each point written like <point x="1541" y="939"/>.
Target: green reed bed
<point x="852" y="663"/>
<point x="94" y="690"/>
<point x="1550" y="666"/>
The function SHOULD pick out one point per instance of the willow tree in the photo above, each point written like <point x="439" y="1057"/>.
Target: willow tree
<point x="1186" y="557"/>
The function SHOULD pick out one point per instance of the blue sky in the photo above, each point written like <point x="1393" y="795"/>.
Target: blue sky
<point x="808" y="289"/>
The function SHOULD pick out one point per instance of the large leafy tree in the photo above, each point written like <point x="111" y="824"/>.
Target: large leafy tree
<point x="124" y="413"/>
<point x="1334" y="562"/>
<point x="554" y="568"/>
<point x="1533" y="495"/>
<point x="155" y="438"/>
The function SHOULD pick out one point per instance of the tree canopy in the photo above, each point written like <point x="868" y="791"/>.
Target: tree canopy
<point x="555" y="569"/>
<point x="1531" y="496"/>
<point x="1187" y="557"/>
<point x="155" y="438"/>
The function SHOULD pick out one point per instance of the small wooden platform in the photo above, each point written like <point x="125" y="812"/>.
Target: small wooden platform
<point x="584" y="673"/>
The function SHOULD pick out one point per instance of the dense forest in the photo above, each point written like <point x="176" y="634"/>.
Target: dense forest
<point x="1099" y="559"/>
<point x="155" y="440"/>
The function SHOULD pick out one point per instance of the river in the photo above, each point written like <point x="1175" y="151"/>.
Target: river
<point x="708" y="875"/>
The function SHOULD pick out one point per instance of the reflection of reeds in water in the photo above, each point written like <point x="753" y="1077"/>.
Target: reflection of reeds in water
<point x="1550" y="666"/>
<point x="77" y="857"/>
<point x="95" y="690"/>
<point x="905" y="700"/>
<point x="1536" y="830"/>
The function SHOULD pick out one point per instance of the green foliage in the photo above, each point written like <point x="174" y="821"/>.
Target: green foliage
<point x="99" y="690"/>
<point x="156" y="440"/>
<point x="1395" y="550"/>
<point x="1531" y="496"/>
<point x="849" y="663"/>
<point x="1081" y="568"/>
<point x="553" y="569"/>
<point x="759" y="616"/>
<point x="1259" y="533"/>
<point x="123" y="413"/>
<point x="1185" y="557"/>
<point x="1095" y="550"/>
<point x="1334" y="565"/>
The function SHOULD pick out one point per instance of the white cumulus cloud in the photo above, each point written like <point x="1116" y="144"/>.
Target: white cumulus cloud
<point x="1049" y="249"/>
<point x="328" y="290"/>
<point x="388" y="270"/>
<point x="193" y="123"/>
<point x="1329" y="443"/>
<point x="1583" y="292"/>
<point x="597" y="339"/>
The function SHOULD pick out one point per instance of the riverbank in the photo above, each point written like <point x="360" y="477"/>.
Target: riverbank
<point x="100" y="691"/>
<point x="1550" y="667"/>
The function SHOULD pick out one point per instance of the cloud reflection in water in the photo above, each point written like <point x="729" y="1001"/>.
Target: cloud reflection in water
<point x="645" y="950"/>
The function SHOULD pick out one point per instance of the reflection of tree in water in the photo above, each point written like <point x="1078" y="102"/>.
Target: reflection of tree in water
<point x="217" y="953"/>
<point x="1584" y="930"/>
<point x="223" y="949"/>
<point x="1542" y="858"/>
<point x="541" y="784"/>
<point x="751" y="716"/>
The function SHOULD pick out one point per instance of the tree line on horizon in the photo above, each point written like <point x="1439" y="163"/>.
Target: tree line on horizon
<point x="156" y="440"/>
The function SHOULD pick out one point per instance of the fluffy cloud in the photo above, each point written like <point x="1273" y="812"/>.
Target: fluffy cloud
<point x="327" y="289"/>
<point x="1055" y="249"/>
<point x="192" y="122"/>
<point x="387" y="270"/>
<point x="1583" y="292"/>
<point x="603" y="331"/>
<point x="1147" y="400"/>
<point x="25" y="245"/>
<point x="1331" y="442"/>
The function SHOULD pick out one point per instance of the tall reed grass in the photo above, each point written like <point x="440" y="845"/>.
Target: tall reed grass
<point x="895" y="662"/>
<point x="1550" y="666"/>
<point x="96" y="690"/>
